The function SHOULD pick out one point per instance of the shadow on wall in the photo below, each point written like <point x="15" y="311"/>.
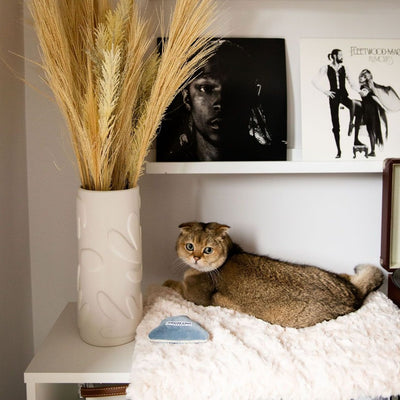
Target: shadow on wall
<point x="167" y="201"/>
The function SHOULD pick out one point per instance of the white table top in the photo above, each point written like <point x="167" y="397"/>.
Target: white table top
<point x="65" y="358"/>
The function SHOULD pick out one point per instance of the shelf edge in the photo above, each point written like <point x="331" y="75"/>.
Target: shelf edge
<point x="265" y="167"/>
<point x="76" y="377"/>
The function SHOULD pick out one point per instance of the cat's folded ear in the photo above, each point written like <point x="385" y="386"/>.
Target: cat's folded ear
<point x="188" y="226"/>
<point x="215" y="227"/>
<point x="220" y="229"/>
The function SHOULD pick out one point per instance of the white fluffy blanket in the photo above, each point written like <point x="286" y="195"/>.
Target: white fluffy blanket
<point x="354" y="356"/>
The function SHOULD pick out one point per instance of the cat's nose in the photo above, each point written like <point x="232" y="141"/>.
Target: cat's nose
<point x="195" y="258"/>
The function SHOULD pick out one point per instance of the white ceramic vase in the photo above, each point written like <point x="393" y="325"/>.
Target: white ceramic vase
<point x="110" y="266"/>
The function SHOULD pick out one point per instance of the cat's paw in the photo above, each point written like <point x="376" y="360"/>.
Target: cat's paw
<point x="169" y="283"/>
<point x="173" y="285"/>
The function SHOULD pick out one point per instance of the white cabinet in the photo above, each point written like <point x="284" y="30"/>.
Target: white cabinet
<point x="64" y="360"/>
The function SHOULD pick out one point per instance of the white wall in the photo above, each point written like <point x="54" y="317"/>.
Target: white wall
<point x="16" y="339"/>
<point x="52" y="184"/>
<point x="330" y="220"/>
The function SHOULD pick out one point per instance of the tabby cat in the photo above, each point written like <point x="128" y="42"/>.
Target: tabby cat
<point x="222" y="274"/>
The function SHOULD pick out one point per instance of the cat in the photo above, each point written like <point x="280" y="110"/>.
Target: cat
<point x="283" y="293"/>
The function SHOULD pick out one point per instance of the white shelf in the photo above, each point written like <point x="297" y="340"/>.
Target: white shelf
<point x="266" y="167"/>
<point x="65" y="358"/>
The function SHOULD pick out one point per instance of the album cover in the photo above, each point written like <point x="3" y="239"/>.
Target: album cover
<point x="233" y="110"/>
<point x="350" y="103"/>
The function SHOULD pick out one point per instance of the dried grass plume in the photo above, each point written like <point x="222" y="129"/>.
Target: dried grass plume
<point x="110" y="84"/>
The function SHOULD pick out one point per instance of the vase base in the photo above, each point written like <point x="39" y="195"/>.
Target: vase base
<point x="106" y="342"/>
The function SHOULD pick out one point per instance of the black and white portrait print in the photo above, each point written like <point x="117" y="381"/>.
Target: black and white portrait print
<point x="233" y="110"/>
<point x="350" y="98"/>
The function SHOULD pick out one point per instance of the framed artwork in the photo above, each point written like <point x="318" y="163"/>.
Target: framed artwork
<point x="350" y="102"/>
<point x="390" y="244"/>
<point x="390" y="241"/>
<point x="234" y="109"/>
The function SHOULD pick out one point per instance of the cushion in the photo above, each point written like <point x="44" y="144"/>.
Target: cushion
<point x="354" y="356"/>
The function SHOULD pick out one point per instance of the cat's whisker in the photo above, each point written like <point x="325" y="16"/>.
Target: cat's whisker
<point x="214" y="275"/>
<point x="178" y="265"/>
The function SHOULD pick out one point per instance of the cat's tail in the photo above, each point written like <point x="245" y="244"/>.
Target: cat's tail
<point x="366" y="278"/>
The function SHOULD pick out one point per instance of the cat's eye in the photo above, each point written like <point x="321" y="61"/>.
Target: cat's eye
<point x="189" y="246"/>
<point x="208" y="250"/>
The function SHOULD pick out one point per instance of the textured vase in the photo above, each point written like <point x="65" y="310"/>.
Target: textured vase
<point x="110" y="266"/>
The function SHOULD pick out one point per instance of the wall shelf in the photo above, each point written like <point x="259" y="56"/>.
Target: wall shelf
<point x="266" y="167"/>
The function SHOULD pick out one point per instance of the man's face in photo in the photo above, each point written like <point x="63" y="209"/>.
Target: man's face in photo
<point x="218" y="104"/>
<point x="203" y="99"/>
<point x="339" y="57"/>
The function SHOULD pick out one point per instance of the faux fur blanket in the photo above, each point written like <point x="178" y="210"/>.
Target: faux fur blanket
<point x="353" y="356"/>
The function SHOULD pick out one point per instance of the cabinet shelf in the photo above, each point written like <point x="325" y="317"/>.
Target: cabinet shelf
<point x="265" y="167"/>
<point x="64" y="360"/>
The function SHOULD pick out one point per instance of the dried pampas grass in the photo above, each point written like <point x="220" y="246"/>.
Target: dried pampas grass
<point x="110" y="85"/>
